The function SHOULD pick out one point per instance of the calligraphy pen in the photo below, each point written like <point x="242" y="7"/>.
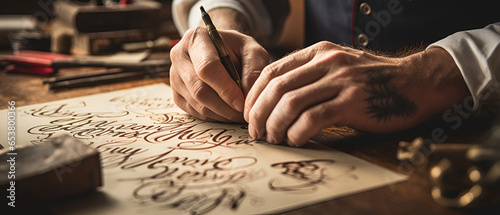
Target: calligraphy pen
<point x="219" y="46"/>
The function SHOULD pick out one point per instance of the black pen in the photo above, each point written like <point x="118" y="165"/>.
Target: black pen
<point x="103" y="77"/>
<point x="219" y="45"/>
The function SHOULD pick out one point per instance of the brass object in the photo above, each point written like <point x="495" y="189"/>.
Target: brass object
<point x="461" y="175"/>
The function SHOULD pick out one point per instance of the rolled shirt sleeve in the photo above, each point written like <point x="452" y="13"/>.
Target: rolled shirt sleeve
<point x="477" y="55"/>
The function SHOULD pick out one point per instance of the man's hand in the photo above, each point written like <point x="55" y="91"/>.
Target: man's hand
<point x="326" y="84"/>
<point x="201" y="85"/>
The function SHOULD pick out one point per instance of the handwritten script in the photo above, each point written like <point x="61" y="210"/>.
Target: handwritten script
<point x="157" y="158"/>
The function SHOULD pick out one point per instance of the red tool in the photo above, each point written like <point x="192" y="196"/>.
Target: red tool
<point x="46" y="63"/>
<point x="35" y="62"/>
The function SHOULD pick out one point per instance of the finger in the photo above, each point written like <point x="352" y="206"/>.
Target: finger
<point x="214" y="117"/>
<point x="208" y="67"/>
<point x="199" y="95"/>
<point x="295" y="102"/>
<point x="207" y="101"/>
<point x="184" y="105"/>
<point x="313" y="119"/>
<point x="253" y="60"/>
<point x="192" y="111"/>
<point x="274" y="91"/>
<point x="193" y="107"/>
<point x="272" y="71"/>
<point x="182" y="66"/>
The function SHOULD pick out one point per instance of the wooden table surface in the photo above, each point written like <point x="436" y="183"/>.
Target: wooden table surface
<point x="410" y="197"/>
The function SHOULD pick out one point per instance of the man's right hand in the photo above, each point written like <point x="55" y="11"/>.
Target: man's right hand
<point x="201" y="85"/>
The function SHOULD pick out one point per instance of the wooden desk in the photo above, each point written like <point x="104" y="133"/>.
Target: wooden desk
<point x="410" y="197"/>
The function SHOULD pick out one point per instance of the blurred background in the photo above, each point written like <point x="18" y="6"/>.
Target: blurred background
<point x="82" y="26"/>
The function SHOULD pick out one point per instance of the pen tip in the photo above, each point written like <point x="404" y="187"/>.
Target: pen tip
<point x="202" y="9"/>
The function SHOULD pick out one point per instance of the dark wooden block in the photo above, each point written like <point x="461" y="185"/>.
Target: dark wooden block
<point x="92" y="18"/>
<point x="51" y="171"/>
<point x="111" y="41"/>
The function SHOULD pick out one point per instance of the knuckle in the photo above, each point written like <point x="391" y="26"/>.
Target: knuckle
<point x="179" y="100"/>
<point x="308" y="119"/>
<point x="259" y="55"/>
<point x="197" y="30"/>
<point x="188" y="38"/>
<point x="190" y="32"/>
<point x="292" y="100"/>
<point x="311" y="118"/>
<point x="339" y="57"/>
<point x="176" y="52"/>
<point x="296" y="138"/>
<point x="259" y="50"/>
<point x="204" y="111"/>
<point x="322" y="45"/>
<point x="256" y="48"/>
<point x="332" y="56"/>
<point x="278" y="84"/>
<point x="193" y="34"/>
<point x="205" y="66"/>
<point x="253" y="117"/>
<point x="331" y="51"/>
<point x="226" y="92"/>
<point x="322" y="114"/>
<point x="292" y="137"/>
<point x="271" y="71"/>
<point x="275" y="127"/>
<point x="199" y="89"/>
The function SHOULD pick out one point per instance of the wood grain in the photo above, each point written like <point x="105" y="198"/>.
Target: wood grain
<point x="410" y="197"/>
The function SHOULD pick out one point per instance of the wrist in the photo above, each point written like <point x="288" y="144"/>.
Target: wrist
<point x="228" y="19"/>
<point x="440" y="81"/>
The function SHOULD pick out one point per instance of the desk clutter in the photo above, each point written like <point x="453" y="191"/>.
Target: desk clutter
<point x="46" y="63"/>
<point x="90" y="27"/>
<point x="115" y="37"/>
<point x="104" y="27"/>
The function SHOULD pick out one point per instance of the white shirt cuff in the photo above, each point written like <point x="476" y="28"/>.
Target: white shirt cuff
<point x="477" y="55"/>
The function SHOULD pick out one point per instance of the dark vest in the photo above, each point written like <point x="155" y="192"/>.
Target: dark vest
<point x="389" y="25"/>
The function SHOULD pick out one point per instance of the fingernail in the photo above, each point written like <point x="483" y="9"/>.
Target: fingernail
<point x="245" y="116"/>
<point x="290" y="143"/>
<point x="261" y="135"/>
<point x="269" y="139"/>
<point x="238" y="104"/>
<point x="251" y="131"/>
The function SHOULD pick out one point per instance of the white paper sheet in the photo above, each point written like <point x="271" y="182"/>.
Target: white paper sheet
<point x="159" y="160"/>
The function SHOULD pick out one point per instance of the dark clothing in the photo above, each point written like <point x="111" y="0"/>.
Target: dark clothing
<point x="388" y="25"/>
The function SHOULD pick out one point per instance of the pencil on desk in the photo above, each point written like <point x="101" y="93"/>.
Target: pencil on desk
<point x="87" y="75"/>
<point x="108" y="76"/>
<point x="56" y="61"/>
